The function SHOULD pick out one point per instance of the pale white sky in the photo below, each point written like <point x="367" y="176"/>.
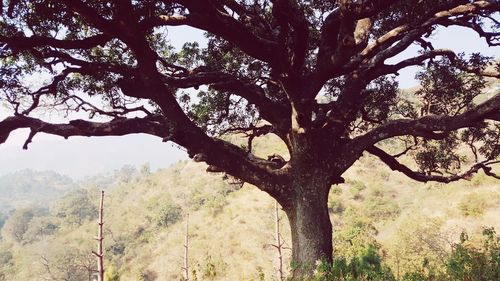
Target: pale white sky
<point x="81" y="156"/>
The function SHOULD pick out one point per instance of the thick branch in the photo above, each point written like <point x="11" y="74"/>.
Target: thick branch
<point x="205" y="16"/>
<point x="288" y="12"/>
<point x="25" y="43"/>
<point x="117" y="127"/>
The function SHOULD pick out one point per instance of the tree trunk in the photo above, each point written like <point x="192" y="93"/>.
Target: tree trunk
<point x="311" y="227"/>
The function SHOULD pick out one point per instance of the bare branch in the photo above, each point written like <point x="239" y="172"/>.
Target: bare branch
<point x="397" y="166"/>
<point x="418" y="60"/>
<point x="398" y="39"/>
<point x="492" y="38"/>
<point x="429" y="126"/>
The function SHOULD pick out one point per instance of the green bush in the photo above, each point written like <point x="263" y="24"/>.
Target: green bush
<point x="469" y="263"/>
<point x="168" y="215"/>
<point x="367" y="266"/>
<point x="355" y="189"/>
<point x="76" y="207"/>
<point x="466" y="262"/>
<point x="111" y="274"/>
<point x="165" y="211"/>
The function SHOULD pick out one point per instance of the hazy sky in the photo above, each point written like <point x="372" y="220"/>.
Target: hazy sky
<point x="81" y="156"/>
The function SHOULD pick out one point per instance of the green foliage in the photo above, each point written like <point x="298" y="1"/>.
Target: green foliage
<point x="359" y="185"/>
<point x="210" y="268"/>
<point x="355" y="235"/>
<point x="39" y="227"/>
<point x="111" y="274"/>
<point x="17" y="224"/>
<point x="214" y="202"/>
<point x="76" y="207"/>
<point x="335" y="205"/>
<point x="367" y="266"/>
<point x="167" y="215"/>
<point x="355" y="194"/>
<point x="356" y="188"/>
<point x="419" y="243"/>
<point x="165" y="211"/>
<point x="470" y="263"/>
<point x="447" y="90"/>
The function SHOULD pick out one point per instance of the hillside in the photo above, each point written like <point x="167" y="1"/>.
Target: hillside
<point x="27" y="187"/>
<point x="231" y="229"/>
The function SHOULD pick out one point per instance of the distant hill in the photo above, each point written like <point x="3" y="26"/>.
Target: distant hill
<point x="28" y="187"/>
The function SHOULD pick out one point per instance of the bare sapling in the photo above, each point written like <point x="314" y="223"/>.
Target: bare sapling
<point x="100" y="254"/>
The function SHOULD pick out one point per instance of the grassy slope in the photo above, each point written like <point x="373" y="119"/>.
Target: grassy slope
<point x="231" y="231"/>
<point x="237" y="238"/>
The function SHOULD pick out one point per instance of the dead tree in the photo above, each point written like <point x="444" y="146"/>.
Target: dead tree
<point x="279" y="242"/>
<point x="185" y="268"/>
<point x="99" y="254"/>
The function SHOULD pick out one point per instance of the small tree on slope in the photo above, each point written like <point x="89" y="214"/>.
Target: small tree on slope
<point x="269" y="61"/>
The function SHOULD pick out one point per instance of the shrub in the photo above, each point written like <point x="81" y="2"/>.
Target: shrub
<point x="76" y="207"/>
<point x="367" y="266"/>
<point x="476" y="264"/>
<point x="168" y="215"/>
<point x="165" y="211"/>
<point x="111" y="274"/>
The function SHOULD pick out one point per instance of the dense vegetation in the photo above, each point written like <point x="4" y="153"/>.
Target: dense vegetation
<point x="383" y="230"/>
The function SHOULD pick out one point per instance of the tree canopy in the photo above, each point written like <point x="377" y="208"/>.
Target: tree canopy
<point x="314" y="73"/>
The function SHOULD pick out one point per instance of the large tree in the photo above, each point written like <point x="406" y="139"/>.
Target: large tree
<point x="317" y="74"/>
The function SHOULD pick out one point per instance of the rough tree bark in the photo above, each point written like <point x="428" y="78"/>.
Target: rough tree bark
<point x="311" y="229"/>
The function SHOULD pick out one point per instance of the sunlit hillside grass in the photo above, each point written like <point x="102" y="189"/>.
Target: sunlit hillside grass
<point x="231" y="228"/>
